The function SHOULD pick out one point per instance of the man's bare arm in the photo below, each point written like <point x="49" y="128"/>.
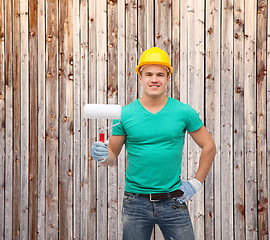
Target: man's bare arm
<point x="115" y="146"/>
<point x="205" y="141"/>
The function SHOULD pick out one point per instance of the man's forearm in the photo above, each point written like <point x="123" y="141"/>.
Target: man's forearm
<point x="111" y="157"/>
<point x="206" y="160"/>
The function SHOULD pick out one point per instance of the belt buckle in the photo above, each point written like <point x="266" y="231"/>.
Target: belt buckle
<point x="152" y="200"/>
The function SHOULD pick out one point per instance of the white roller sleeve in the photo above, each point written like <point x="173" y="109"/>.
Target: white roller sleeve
<point x="102" y="111"/>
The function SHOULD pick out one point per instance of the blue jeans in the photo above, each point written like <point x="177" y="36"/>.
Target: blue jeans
<point x="140" y="215"/>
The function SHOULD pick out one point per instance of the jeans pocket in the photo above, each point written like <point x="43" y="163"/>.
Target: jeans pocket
<point x="128" y="198"/>
<point x="177" y="205"/>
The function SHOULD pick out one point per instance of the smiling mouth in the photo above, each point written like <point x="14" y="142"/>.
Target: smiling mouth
<point x="154" y="86"/>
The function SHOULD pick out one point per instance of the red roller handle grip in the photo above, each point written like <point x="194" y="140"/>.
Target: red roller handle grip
<point x="102" y="137"/>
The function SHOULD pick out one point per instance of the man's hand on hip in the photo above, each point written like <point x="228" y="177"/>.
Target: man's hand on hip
<point x="189" y="188"/>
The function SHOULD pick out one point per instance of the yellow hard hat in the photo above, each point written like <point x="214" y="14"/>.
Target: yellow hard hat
<point x="154" y="55"/>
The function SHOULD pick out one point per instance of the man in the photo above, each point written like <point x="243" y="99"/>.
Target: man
<point x="153" y="130"/>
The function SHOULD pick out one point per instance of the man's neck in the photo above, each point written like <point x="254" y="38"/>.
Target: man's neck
<point x="153" y="104"/>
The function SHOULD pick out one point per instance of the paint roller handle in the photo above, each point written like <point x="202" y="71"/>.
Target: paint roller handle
<point x="102" y="137"/>
<point x="102" y="134"/>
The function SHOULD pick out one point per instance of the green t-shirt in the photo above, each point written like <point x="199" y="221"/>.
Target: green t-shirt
<point x="154" y="144"/>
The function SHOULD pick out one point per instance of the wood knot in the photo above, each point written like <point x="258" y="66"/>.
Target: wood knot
<point x="70" y="173"/>
<point x="210" y="30"/>
<point x="49" y="75"/>
<point x="49" y="38"/>
<point x="238" y="90"/>
<point x="158" y="35"/>
<point x="70" y="77"/>
<point x="71" y="61"/>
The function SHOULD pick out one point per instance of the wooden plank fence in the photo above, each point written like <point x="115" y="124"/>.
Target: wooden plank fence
<point x="57" y="55"/>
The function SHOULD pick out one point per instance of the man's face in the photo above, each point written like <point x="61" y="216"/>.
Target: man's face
<point x="154" y="79"/>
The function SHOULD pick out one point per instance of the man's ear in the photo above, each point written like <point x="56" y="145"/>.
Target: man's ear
<point x="140" y="78"/>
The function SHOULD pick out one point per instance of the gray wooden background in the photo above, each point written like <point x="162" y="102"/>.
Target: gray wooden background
<point x="57" y="55"/>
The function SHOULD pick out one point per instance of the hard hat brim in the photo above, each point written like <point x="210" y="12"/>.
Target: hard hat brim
<point x="138" y="67"/>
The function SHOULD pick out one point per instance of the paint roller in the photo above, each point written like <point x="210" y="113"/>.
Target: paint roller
<point x="103" y="111"/>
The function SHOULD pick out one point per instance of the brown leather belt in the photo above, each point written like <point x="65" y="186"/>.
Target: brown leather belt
<point x="162" y="196"/>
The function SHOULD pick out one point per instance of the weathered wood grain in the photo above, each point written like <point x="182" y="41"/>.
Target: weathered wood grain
<point x="24" y="119"/>
<point x="2" y="120"/>
<point x="196" y="100"/>
<point x="268" y="108"/>
<point x="251" y="217"/>
<point x="131" y="54"/>
<point x="238" y="121"/>
<point x="57" y="55"/>
<point x="77" y="122"/>
<point x="52" y="119"/>
<point x="212" y="116"/>
<point x="9" y="108"/>
<point x="33" y="115"/>
<point x="41" y="142"/>
<point x="261" y="119"/>
<point x="84" y="95"/>
<point x="226" y="124"/>
<point x="175" y="62"/>
<point x="17" y="116"/>
<point x="66" y="119"/>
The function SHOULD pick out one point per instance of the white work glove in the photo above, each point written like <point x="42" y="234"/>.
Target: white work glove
<point x="189" y="188"/>
<point x="99" y="151"/>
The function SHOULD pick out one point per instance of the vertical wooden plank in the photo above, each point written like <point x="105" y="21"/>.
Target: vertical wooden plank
<point x="93" y="123"/>
<point x="238" y="122"/>
<point x="41" y="225"/>
<point x="2" y="120"/>
<point x="268" y="106"/>
<point x="24" y="119"/>
<point x="196" y="100"/>
<point x="175" y="78"/>
<point x="17" y="119"/>
<point x="66" y="119"/>
<point x="33" y="108"/>
<point x="121" y="101"/>
<point x="142" y="37"/>
<point x="84" y="131"/>
<point x="261" y="119"/>
<point x="226" y="120"/>
<point x="101" y="44"/>
<point x="8" y="119"/>
<point x="163" y="28"/>
<point x="212" y="116"/>
<point x="52" y="118"/>
<point x="112" y="84"/>
<point x="250" y="120"/>
<point x="150" y="21"/>
<point x="77" y="122"/>
<point x="131" y="54"/>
